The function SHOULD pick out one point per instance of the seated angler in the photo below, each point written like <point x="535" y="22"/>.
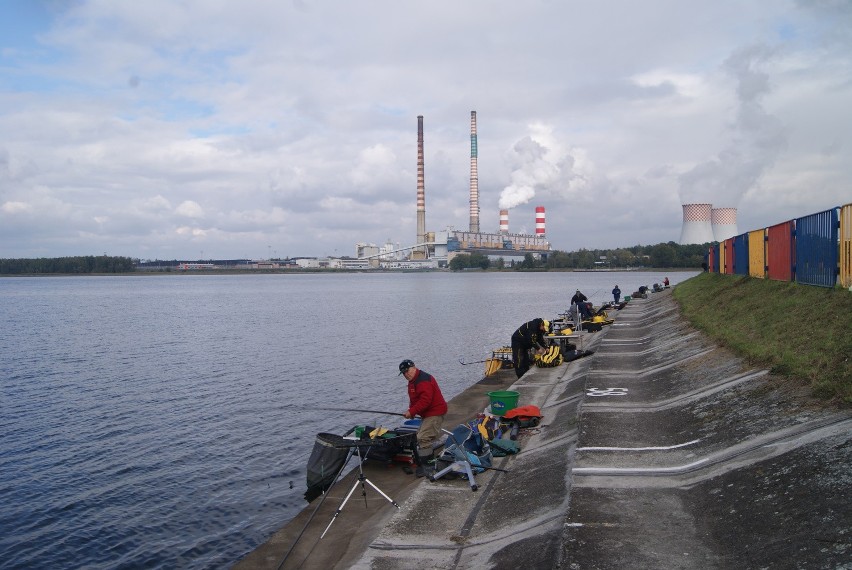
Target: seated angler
<point x="582" y="304"/>
<point x="426" y="401"/>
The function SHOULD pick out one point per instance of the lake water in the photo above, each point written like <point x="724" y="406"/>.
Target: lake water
<point x="165" y="421"/>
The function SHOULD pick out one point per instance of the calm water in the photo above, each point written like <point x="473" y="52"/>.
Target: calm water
<point x="165" y="421"/>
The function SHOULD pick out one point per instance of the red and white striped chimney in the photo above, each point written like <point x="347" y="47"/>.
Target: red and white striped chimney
<point x="421" y="188"/>
<point x="539" y="221"/>
<point x="504" y="222"/>
<point x="474" y="177"/>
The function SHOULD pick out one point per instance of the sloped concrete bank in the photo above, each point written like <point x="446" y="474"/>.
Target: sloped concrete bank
<point x="659" y="451"/>
<point x="688" y="458"/>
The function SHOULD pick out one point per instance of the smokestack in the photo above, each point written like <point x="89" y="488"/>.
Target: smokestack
<point x="539" y="221"/>
<point x="724" y="222"/>
<point x="474" y="177"/>
<point x="696" y="224"/>
<point x="504" y="222"/>
<point x="421" y="190"/>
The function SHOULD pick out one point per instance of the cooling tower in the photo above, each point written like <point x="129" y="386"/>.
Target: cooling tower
<point x="724" y="222"/>
<point x="504" y="222"/>
<point x="539" y="221"/>
<point x="474" y="177"/>
<point x="421" y="193"/>
<point x="696" y="224"/>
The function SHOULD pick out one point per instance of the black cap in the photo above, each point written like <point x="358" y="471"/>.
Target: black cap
<point x="405" y="365"/>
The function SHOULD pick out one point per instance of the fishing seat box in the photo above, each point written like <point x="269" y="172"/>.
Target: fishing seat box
<point x="407" y="455"/>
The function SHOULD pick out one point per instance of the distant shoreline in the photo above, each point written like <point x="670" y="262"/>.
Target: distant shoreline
<point x="181" y="272"/>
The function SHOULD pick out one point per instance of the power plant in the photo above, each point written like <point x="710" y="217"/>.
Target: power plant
<point x="724" y="222"/>
<point x="702" y="223"/>
<point x="436" y="249"/>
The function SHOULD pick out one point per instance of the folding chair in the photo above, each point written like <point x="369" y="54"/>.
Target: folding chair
<point x="466" y="451"/>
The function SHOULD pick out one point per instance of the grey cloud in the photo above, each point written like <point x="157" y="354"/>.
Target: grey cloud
<point x="756" y="137"/>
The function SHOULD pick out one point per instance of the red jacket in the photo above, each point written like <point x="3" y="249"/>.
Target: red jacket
<point x="424" y="396"/>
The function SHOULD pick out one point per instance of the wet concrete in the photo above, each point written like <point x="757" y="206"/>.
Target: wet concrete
<point x="661" y="450"/>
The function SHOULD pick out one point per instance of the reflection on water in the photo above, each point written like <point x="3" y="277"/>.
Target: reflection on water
<point x="165" y="421"/>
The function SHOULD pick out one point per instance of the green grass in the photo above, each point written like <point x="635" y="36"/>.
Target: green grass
<point x="801" y="332"/>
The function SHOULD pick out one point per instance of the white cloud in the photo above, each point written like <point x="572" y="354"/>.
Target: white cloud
<point x="189" y="209"/>
<point x="161" y="126"/>
<point x="17" y="207"/>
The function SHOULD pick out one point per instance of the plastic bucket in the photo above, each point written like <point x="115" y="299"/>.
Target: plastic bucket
<point x="503" y="401"/>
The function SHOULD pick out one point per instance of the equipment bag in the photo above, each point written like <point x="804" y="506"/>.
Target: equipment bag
<point x="551" y="357"/>
<point x="524" y="416"/>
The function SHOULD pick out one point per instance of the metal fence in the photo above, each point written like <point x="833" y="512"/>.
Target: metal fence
<point x="812" y="250"/>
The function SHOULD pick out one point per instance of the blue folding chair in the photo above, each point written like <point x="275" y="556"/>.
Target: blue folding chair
<point x="467" y="452"/>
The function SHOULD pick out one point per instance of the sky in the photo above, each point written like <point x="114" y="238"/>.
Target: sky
<point x="215" y="129"/>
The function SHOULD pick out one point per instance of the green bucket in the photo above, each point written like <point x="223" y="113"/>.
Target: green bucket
<point x="503" y="401"/>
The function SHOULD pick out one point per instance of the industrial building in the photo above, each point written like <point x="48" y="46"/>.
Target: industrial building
<point x="702" y="223"/>
<point x="436" y="249"/>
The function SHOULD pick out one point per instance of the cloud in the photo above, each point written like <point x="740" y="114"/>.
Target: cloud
<point x="542" y="166"/>
<point x="757" y="137"/>
<point x="160" y="127"/>
<point x="189" y="209"/>
<point x="16" y="207"/>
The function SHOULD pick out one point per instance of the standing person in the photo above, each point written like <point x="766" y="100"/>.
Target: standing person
<point x="529" y="335"/>
<point x="580" y="300"/>
<point x="424" y="400"/>
<point x="616" y="294"/>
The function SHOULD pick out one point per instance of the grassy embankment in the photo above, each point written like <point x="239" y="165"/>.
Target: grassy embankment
<point x="801" y="332"/>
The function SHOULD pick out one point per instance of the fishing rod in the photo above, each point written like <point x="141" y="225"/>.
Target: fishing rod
<point x="361" y="411"/>
<point x="474" y="362"/>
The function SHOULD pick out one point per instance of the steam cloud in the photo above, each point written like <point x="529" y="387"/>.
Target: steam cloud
<point x="539" y="165"/>
<point x="758" y="139"/>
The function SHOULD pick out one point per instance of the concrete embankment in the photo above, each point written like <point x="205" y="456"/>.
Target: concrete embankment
<point x="660" y="450"/>
<point x="692" y="459"/>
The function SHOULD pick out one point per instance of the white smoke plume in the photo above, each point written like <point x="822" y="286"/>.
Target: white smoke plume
<point x="539" y="165"/>
<point x="758" y="138"/>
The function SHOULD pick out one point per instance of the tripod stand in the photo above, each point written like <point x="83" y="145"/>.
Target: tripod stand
<point x="360" y="480"/>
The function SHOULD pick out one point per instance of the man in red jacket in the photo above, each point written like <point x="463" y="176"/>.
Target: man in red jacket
<point x="424" y="400"/>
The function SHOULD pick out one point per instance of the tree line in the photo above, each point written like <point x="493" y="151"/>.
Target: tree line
<point x="67" y="265"/>
<point x="661" y="255"/>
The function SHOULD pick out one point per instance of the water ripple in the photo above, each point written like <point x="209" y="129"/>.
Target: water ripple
<point x="163" y="422"/>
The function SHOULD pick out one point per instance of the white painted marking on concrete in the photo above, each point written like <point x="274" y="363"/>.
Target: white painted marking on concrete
<point x="653" y="370"/>
<point x="639" y="470"/>
<point x="599" y="392"/>
<point x="677" y="400"/>
<point x="662" y="448"/>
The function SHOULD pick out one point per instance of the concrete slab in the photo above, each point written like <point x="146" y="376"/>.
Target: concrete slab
<point x="661" y="450"/>
<point x="700" y="461"/>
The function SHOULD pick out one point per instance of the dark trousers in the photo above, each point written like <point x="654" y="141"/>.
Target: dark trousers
<point x="520" y="357"/>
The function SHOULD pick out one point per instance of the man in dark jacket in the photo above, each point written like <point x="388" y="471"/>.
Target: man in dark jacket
<point x="424" y="400"/>
<point x="529" y="335"/>
<point x="616" y="294"/>
<point x="581" y="301"/>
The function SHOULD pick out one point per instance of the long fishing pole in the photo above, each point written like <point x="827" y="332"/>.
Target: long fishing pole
<point x="474" y="362"/>
<point x="360" y="411"/>
<point x="325" y="494"/>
